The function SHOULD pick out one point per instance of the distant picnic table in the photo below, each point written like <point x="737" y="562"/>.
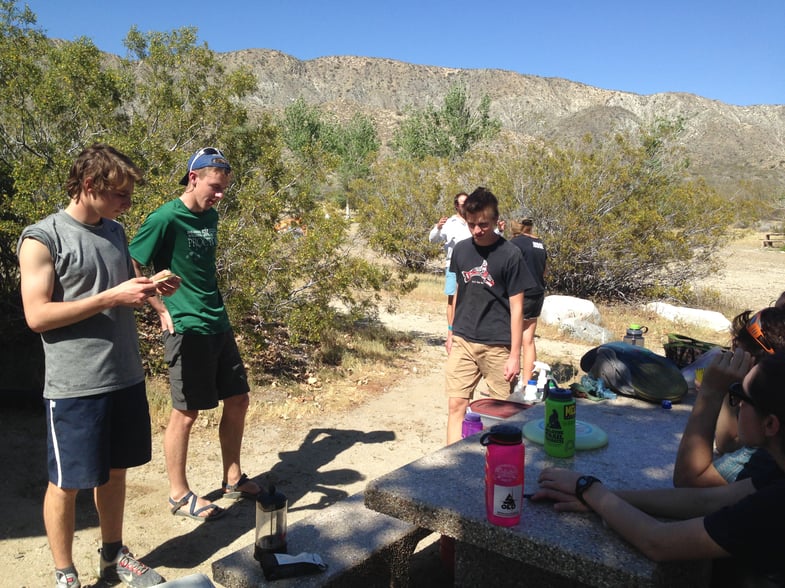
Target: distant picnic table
<point x="774" y="238"/>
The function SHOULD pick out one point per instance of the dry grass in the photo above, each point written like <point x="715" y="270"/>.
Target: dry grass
<point x="429" y="292"/>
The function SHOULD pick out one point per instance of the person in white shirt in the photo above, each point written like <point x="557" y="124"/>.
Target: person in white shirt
<point x="451" y="230"/>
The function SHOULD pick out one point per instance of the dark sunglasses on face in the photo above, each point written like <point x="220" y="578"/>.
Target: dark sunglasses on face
<point x="736" y="394"/>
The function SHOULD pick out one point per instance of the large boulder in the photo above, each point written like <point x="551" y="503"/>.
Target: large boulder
<point x="708" y="319"/>
<point x="585" y="331"/>
<point x="556" y="309"/>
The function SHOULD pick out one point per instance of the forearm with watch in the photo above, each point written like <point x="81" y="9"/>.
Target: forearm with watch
<point x="642" y="530"/>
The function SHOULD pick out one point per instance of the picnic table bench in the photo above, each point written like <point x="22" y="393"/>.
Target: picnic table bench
<point x="772" y="238"/>
<point x="361" y="548"/>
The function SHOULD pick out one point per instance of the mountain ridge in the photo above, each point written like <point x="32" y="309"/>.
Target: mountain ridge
<point x="725" y="143"/>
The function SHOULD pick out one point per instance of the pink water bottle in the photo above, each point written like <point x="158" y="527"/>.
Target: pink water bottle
<point x="504" y="459"/>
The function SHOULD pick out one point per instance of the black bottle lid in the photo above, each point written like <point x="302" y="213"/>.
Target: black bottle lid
<point x="272" y="499"/>
<point x="504" y="434"/>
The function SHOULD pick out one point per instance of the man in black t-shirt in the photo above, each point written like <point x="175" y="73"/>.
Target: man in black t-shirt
<point x="484" y="340"/>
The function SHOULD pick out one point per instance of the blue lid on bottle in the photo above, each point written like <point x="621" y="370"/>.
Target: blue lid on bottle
<point x="552" y="389"/>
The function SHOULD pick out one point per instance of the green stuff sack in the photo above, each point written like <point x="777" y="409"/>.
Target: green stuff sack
<point x="635" y="371"/>
<point x="683" y="350"/>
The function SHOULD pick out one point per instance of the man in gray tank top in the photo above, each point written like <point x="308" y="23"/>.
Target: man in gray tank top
<point x="79" y="293"/>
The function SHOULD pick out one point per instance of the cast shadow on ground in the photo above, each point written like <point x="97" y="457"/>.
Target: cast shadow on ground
<point x="296" y="474"/>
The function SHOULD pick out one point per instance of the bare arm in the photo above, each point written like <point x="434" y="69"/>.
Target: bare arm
<point x="694" y="461"/>
<point x="685" y="503"/>
<point x="164" y="288"/>
<point x="513" y="366"/>
<point x="658" y="540"/>
<point x="37" y="285"/>
<point x="624" y="513"/>
<point x="726" y="434"/>
<point x="451" y="320"/>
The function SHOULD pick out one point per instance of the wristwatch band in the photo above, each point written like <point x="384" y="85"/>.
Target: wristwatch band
<point x="582" y="484"/>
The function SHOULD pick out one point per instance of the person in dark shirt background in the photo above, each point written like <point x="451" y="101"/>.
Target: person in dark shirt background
<point x="536" y="257"/>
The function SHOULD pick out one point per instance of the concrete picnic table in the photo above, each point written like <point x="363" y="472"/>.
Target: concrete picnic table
<point x="444" y="492"/>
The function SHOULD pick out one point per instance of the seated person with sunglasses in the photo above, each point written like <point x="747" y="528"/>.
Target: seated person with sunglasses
<point x="710" y="452"/>
<point x="738" y="525"/>
<point x="205" y="366"/>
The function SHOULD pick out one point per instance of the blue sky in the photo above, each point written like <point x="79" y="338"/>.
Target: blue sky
<point x="728" y="50"/>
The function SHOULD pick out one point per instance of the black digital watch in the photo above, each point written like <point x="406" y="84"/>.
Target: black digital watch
<point x="582" y="484"/>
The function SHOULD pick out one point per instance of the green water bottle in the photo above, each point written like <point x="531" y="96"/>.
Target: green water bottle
<point x="559" y="421"/>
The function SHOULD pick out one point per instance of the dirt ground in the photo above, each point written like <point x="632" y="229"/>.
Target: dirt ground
<point x="315" y="461"/>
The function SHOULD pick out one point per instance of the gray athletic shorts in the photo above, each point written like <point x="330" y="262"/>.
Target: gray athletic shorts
<point x="203" y="369"/>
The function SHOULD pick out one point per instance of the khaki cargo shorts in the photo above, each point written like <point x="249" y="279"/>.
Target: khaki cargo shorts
<point x="469" y="362"/>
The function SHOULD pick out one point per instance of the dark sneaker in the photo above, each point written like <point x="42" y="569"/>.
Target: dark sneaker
<point x="67" y="580"/>
<point x="127" y="569"/>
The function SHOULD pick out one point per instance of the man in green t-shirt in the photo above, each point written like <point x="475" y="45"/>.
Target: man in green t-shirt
<point x="204" y="363"/>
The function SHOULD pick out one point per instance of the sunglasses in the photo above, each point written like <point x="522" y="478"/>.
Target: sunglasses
<point x="756" y="332"/>
<point x="737" y="394"/>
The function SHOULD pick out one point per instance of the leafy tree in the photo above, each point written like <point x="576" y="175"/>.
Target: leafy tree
<point x="272" y="280"/>
<point x="356" y="144"/>
<point x="54" y="99"/>
<point x="398" y="205"/>
<point x="303" y="128"/>
<point x="754" y="200"/>
<point x="183" y="99"/>
<point x="620" y="219"/>
<point x="167" y="98"/>
<point x="449" y="131"/>
<point x="402" y="199"/>
<point x="330" y="153"/>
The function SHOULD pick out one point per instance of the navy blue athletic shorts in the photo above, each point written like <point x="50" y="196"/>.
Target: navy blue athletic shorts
<point x="88" y="436"/>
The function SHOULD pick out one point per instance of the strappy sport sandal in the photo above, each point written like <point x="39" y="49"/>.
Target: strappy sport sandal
<point x="192" y="512"/>
<point x="233" y="490"/>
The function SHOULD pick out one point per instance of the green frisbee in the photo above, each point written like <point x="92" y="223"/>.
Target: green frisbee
<point x="587" y="436"/>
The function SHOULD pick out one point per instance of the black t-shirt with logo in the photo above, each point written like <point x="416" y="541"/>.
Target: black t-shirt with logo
<point x="487" y="277"/>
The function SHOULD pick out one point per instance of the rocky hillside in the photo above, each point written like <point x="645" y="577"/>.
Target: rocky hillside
<point x="726" y="144"/>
